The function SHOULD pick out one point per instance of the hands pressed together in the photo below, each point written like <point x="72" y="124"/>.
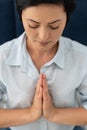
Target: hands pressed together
<point x="42" y="102"/>
<point x="43" y="106"/>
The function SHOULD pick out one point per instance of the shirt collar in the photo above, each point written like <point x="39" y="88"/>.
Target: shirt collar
<point x="18" y="54"/>
<point x="59" y="58"/>
<point x="15" y="55"/>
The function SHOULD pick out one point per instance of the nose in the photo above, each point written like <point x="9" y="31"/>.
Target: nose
<point x="44" y="34"/>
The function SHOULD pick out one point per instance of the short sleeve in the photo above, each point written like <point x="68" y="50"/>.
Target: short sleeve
<point x="3" y="95"/>
<point x="82" y="93"/>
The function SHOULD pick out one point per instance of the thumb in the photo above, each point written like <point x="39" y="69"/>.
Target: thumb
<point x="45" y="88"/>
<point x="39" y="84"/>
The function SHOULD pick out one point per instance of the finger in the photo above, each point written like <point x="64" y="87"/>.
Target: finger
<point x="45" y="88"/>
<point x="39" y="84"/>
<point x="45" y="84"/>
<point x="38" y="93"/>
<point x="46" y="94"/>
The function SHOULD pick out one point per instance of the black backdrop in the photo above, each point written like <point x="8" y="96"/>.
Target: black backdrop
<point x="10" y="25"/>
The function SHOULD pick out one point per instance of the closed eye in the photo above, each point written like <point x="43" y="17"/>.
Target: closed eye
<point x="36" y="26"/>
<point x="56" y="27"/>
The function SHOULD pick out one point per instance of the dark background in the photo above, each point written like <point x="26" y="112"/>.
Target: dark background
<point x="10" y="25"/>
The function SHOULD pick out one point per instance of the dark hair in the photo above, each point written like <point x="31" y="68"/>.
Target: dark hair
<point x="69" y="5"/>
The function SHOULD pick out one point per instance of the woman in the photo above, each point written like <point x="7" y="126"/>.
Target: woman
<point x="43" y="81"/>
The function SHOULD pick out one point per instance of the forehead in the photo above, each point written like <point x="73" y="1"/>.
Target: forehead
<point x="44" y="12"/>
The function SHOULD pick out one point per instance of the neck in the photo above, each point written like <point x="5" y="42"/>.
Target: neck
<point x="44" y="54"/>
<point x="40" y="51"/>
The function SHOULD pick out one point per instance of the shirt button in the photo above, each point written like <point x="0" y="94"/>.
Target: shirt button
<point x="43" y="69"/>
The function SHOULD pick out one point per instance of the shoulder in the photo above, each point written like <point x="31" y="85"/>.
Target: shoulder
<point x="6" y="47"/>
<point x="10" y="50"/>
<point x="75" y="52"/>
<point x="74" y="46"/>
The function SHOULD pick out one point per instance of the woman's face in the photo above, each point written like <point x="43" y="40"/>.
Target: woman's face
<point x="44" y="24"/>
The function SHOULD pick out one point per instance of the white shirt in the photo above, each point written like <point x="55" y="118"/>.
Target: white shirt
<point x="66" y="75"/>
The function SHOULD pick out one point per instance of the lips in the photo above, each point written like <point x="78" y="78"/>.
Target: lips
<point x="43" y="43"/>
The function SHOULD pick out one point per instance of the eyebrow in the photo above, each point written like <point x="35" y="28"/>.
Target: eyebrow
<point x="55" y="21"/>
<point x="48" y="23"/>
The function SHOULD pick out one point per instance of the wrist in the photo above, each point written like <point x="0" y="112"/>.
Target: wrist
<point x="52" y="117"/>
<point x="29" y="115"/>
<point x="34" y="114"/>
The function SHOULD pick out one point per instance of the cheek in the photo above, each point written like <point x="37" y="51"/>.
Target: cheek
<point x="59" y="31"/>
<point x="56" y="35"/>
<point x="30" y="33"/>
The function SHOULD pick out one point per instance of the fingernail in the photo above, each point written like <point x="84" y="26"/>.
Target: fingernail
<point x="44" y="76"/>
